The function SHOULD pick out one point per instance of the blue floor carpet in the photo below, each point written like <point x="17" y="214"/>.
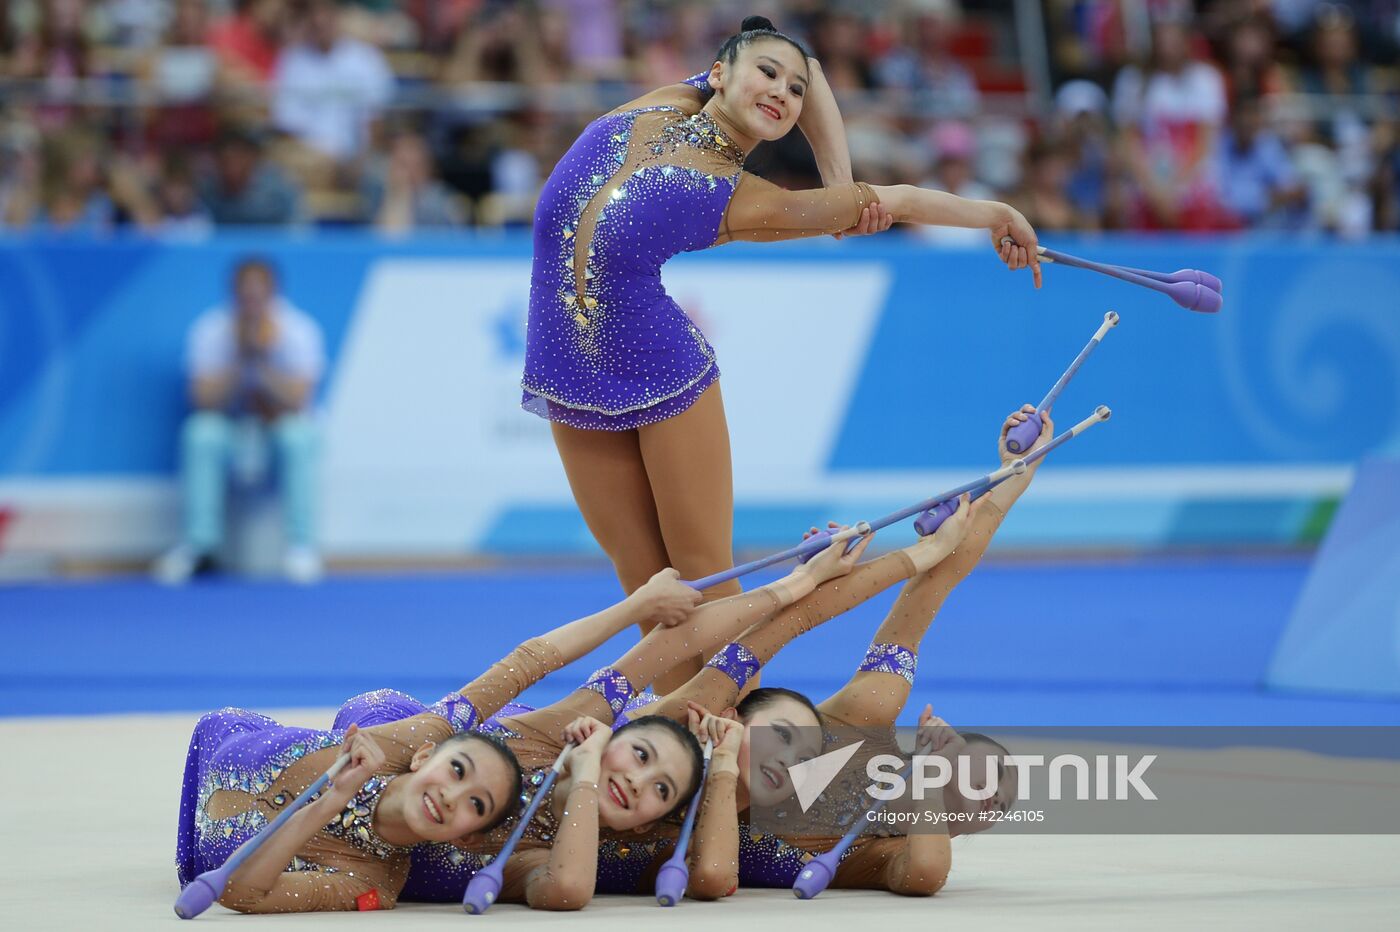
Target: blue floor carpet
<point x="1130" y="643"/>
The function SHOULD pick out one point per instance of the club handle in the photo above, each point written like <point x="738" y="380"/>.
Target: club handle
<point x="671" y="881"/>
<point x="824" y="538"/>
<point x="485" y="885"/>
<point x="1020" y="437"/>
<point x="816" y="874"/>
<point x="484" y="888"/>
<point x="199" y="894"/>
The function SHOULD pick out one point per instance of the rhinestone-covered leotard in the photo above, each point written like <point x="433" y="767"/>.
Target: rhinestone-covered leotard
<point x="607" y="348"/>
<point x="243" y="768"/>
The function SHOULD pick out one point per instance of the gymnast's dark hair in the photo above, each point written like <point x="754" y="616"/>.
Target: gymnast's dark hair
<point x="687" y="740"/>
<point x="1002" y="753"/>
<point x="517" y="783"/>
<point x="751" y="30"/>
<point x="765" y="696"/>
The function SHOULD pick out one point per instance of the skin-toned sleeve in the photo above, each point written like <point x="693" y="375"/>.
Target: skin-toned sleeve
<point x="760" y="211"/>
<point x="708" y="627"/>
<point x="876" y="697"/>
<point x="561" y="877"/>
<point x="508" y="677"/>
<point x="548" y="724"/>
<point x="909" y="866"/>
<point x="316" y="891"/>
<point x="715" y="689"/>
<point x="714" y="863"/>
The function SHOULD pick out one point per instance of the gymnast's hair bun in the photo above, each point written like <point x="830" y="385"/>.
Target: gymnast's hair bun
<point x="752" y="23"/>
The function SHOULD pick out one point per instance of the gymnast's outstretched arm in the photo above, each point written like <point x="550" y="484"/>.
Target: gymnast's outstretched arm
<point x="876" y="694"/>
<point x="664" y="597"/>
<point x="708" y="627"/>
<point x="719" y="684"/>
<point x="760" y="211"/>
<point x="918" y="864"/>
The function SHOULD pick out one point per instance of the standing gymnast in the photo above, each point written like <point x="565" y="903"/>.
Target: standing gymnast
<point x="428" y="777"/>
<point x="784" y="727"/>
<point x="628" y="382"/>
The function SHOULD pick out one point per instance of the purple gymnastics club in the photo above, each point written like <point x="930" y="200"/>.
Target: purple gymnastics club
<point x="823" y="539"/>
<point x="812" y="544"/>
<point x="199" y="894"/>
<point x="817" y="873"/>
<point x="485" y="884"/>
<point x="1205" y="279"/>
<point x="932" y="519"/>
<point x="1021" y="436"/>
<point x="674" y="875"/>
<point x="1187" y="292"/>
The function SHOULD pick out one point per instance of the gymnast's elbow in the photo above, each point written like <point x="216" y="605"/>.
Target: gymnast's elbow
<point x="712" y="881"/>
<point x="245" y="899"/>
<point x="924" y="875"/>
<point x="562" y="896"/>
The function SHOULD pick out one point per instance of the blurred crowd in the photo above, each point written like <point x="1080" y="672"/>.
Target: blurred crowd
<point x="176" y="116"/>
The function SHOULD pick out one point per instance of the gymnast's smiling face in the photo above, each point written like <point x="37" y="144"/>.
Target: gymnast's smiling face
<point x="762" y="90"/>
<point x="644" y="772"/>
<point x="455" y="790"/>
<point x="781" y="733"/>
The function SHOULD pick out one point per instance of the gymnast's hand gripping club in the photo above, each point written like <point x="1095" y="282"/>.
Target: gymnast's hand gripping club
<point x="485" y="884"/>
<point x="199" y="894"/>
<point x="674" y="875"/>
<point x="1020" y="437"/>
<point x="930" y="520"/>
<point x="1191" y="288"/>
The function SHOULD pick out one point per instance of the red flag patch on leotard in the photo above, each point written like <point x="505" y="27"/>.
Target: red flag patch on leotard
<point x="367" y="901"/>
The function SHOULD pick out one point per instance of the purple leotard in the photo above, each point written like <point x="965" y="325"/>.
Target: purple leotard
<point x="607" y="348"/>
<point x="439" y="872"/>
<point x="243" y="751"/>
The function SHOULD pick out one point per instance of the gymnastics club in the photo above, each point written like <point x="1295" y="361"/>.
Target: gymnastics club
<point x="930" y="520"/>
<point x="1190" y="288"/>
<point x="1021" y="436"/>
<point x="817" y="873"/>
<point x="823" y="539"/>
<point x="485" y="884"/>
<point x="199" y="894"/>
<point x="671" y="880"/>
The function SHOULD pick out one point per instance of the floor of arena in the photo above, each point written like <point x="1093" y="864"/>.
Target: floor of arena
<point x="102" y="682"/>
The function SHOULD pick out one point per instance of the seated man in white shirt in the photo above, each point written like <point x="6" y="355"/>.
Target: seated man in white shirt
<point x="253" y="365"/>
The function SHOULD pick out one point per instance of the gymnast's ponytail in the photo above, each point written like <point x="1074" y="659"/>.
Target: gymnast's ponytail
<point x="751" y="30"/>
